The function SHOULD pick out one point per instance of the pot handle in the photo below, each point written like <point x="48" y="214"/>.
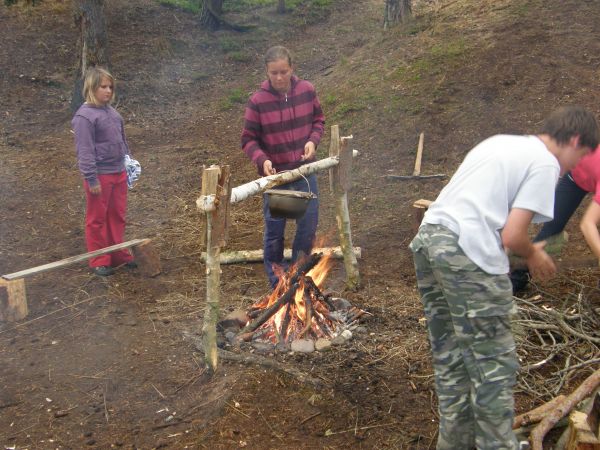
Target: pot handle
<point x="305" y="179"/>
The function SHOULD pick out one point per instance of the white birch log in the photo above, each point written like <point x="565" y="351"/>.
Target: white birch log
<point x="244" y="191"/>
<point x="249" y="256"/>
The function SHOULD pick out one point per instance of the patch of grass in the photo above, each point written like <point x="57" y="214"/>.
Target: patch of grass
<point x="240" y="56"/>
<point x="436" y="61"/>
<point x="236" y="96"/>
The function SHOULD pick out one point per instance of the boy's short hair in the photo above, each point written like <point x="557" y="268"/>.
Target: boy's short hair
<point x="276" y="53"/>
<point x="569" y="121"/>
<point x="91" y="82"/>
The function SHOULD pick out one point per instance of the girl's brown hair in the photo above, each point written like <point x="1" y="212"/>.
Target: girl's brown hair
<point x="276" y="53"/>
<point x="93" y="79"/>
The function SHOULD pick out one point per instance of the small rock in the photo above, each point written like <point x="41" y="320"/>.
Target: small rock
<point x="347" y="334"/>
<point x="341" y="303"/>
<point x="360" y="330"/>
<point x="263" y="348"/>
<point x="239" y="316"/>
<point x="303" y="346"/>
<point x="230" y="336"/>
<point x="338" y="340"/>
<point x="322" y="344"/>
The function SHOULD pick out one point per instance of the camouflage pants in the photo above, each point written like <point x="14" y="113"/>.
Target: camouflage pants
<point x="474" y="359"/>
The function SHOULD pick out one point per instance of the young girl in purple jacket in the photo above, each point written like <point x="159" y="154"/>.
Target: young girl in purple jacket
<point x="283" y="125"/>
<point x="101" y="149"/>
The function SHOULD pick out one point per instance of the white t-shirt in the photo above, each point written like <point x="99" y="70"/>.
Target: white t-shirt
<point x="501" y="173"/>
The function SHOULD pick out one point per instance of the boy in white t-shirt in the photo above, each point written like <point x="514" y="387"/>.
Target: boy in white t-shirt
<point x="504" y="184"/>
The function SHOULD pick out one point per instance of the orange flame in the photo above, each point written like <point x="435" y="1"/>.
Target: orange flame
<point x="299" y="314"/>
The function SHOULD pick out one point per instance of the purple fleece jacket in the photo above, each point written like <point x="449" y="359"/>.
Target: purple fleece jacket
<point x="277" y="126"/>
<point x="99" y="140"/>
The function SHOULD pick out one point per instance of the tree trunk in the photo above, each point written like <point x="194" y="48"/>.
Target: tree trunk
<point x="396" y="11"/>
<point x="210" y="16"/>
<point x="281" y="6"/>
<point x="93" y="42"/>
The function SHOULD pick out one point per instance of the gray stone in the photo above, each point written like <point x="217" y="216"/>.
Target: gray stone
<point x="338" y="340"/>
<point x="303" y="346"/>
<point x="341" y="303"/>
<point x="322" y="344"/>
<point x="263" y="347"/>
<point x="230" y="336"/>
<point x="239" y="316"/>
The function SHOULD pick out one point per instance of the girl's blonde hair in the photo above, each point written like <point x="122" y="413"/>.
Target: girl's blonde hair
<point x="93" y="79"/>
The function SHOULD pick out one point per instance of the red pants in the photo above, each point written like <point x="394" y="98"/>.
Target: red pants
<point x="105" y="219"/>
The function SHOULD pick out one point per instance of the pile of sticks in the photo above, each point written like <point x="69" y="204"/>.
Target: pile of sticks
<point x="557" y="342"/>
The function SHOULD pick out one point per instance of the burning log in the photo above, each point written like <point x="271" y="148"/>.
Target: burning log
<point x="267" y="313"/>
<point x="308" y="316"/>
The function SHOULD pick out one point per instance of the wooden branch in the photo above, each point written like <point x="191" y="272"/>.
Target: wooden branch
<point x="537" y="414"/>
<point x="210" y="182"/>
<point x="340" y="181"/>
<point x="268" y="312"/>
<point x="308" y="316"/>
<point x="250" y="358"/>
<point x="415" y="177"/>
<point x="249" y="256"/>
<point x="417" y="170"/>
<point x="584" y="390"/>
<point x="244" y="191"/>
<point x="73" y="259"/>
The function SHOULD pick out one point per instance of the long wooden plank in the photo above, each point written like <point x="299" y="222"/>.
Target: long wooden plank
<point x="73" y="259"/>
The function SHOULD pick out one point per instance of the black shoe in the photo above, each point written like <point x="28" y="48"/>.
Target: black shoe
<point x="103" y="271"/>
<point x="131" y="265"/>
<point x="519" y="279"/>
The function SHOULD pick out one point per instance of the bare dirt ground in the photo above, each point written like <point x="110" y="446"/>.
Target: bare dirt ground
<point x="104" y="363"/>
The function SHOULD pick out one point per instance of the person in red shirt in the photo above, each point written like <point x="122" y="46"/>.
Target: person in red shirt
<point x="570" y="192"/>
<point x="283" y="125"/>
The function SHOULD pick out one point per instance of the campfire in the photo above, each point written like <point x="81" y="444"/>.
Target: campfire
<point x="298" y="309"/>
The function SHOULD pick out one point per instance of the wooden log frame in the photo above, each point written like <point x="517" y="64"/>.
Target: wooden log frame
<point x="215" y="182"/>
<point x="216" y="198"/>
<point x="13" y="298"/>
<point x="340" y="180"/>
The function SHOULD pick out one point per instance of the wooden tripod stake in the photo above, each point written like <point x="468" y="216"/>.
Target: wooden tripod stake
<point x="215" y="182"/>
<point x="341" y="182"/>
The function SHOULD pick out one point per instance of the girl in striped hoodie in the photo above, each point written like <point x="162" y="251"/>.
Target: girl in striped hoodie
<point x="283" y="125"/>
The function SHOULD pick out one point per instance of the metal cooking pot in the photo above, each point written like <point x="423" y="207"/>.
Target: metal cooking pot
<point x="284" y="204"/>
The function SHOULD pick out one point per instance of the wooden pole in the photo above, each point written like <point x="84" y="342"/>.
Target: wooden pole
<point x="341" y="182"/>
<point x="13" y="300"/>
<point x="249" y="256"/>
<point x="215" y="181"/>
<point x="244" y="191"/>
<point x="417" y="170"/>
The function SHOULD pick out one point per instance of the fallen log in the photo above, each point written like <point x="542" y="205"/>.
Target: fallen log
<point x="248" y="256"/>
<point x="584" y="390"/>
<point x="536" y="414"/>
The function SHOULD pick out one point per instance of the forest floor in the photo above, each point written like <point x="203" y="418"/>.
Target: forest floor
<point x="109" y="362"/>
